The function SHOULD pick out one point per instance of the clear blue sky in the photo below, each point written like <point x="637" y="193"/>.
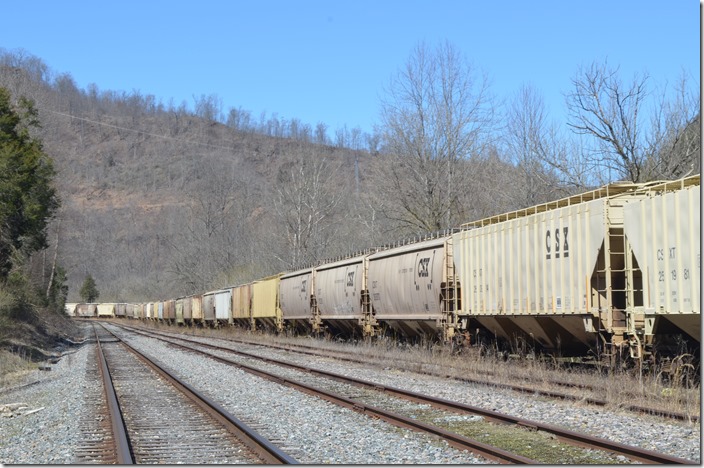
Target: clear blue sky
<point x="327" y="61"/>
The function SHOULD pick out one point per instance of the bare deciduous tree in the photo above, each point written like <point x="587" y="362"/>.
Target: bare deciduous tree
<point x="628" y="145"/>
<point x="676" y="134"/>
<point x="538" y="150"/>
<point x="435" y="117"/>
<point x="305" y="206"/>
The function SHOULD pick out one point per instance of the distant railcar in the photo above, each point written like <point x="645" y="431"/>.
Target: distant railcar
<point x="178" y="308"/>
<point x="209" y="315"/>
<point x="106" y="310"/>
<point x="341" y="296"/>
<point x="70" y="309"/>
<point x="297" y="300"/>
<point x="120" y="310"/>
<point x="197" y="309"/>
<point x="242" y="306"/>
<point x="187" y="304"/>
<point x="170" y="310"/>
<point x="266" y="311"/>
<point x="86" y="310"/>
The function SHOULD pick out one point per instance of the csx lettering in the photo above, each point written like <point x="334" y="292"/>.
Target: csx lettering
<point x="423" y="267"/>
<point x="661" y="254"/>
<point x="561" y="246"/>
<point x="350" y="279"/>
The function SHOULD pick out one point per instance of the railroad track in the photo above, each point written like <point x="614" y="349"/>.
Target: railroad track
<point x="369" y="402"/>
<point x="155" y="418"/>
<point x="455" y="375"/>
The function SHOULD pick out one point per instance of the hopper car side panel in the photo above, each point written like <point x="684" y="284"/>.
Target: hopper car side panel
<point x="188" y="309"/>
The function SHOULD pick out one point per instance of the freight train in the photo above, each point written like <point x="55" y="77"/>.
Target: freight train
<point x="612" y="273"/>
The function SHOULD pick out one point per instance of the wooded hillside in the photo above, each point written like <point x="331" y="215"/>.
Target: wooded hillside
<point x="159" y="201"/>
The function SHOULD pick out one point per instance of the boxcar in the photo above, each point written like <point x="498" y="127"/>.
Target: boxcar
<point x="411" y="288"/>
<point x="297" y="300"/>
<point x="341" y="296"/>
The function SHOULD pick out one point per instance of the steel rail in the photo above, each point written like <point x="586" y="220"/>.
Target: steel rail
<point x="123" y="450"/>
<point x="258" y="444"/>
<point x="565" y="435"/>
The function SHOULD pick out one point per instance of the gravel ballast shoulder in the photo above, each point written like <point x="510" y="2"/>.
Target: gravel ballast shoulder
<point x="45" y="430"/>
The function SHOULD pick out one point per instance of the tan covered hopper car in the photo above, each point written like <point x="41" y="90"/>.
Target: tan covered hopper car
<point x="170" y="310"/>
<point x="563" y="275"/>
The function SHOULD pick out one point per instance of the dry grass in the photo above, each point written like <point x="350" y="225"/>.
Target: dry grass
<point x="14" y="368"/>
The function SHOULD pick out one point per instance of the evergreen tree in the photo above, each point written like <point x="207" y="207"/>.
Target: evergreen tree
<point x="27" y="199"/>
<point x="89" y="292"/>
